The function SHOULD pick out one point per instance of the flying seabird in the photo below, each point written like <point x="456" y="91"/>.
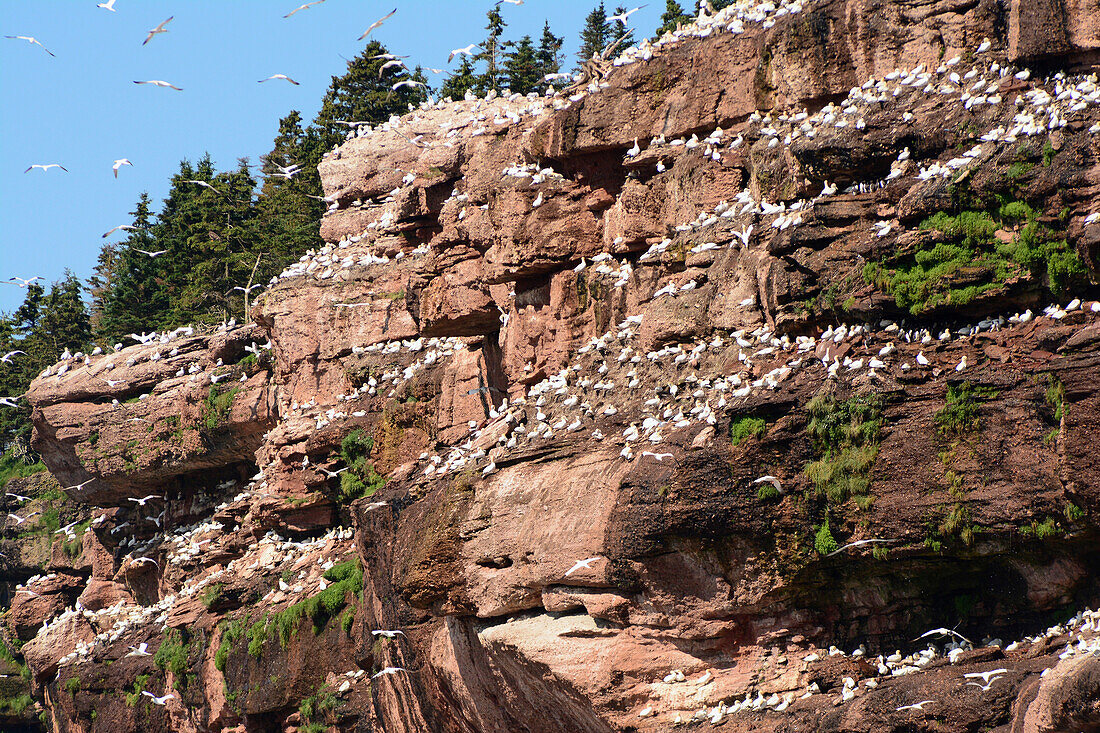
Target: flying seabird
<point x="468" y="50"/>
<point x="300" y="7"/>
<point x="119" y="163"/>
<point x="586" y="564"/>
<point x="46" y="167"/>
<point x="160" y="83"/>
<point x="377" y="23"/>
<point x="159" y="29"/>
<point x="284" y="77"/>
<point x="31" y="39"/>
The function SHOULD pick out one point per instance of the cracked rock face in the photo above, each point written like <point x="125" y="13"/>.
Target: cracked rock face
<point x="628" y="410"/>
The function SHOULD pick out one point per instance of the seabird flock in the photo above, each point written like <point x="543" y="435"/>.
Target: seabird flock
<point x="683" y="387"/>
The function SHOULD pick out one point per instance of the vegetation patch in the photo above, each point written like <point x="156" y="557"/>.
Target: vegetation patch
<point x="824" y="542"/>
<point x="964" y="259"/>
<point x="317" y="710"/>
<point x="1041" y="530"/>
<point x="172" y="656"/>
<point x="216" y="408"/>
<point x="360" y="478"/>
<point x="846" y="439"/>
<point x="960" y="415"/>
<point x="343" y="578"/>
<point x="134" y="696"/>
<point x="16" y="466"/>
<point x="747" y="427"/>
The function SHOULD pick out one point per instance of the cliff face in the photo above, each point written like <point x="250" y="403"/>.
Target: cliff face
<point x="669" y="397"/>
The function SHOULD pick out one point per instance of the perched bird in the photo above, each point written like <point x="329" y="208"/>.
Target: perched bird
<point x="159" y="29"/>
<point x="300" y="7"/>
<point x="284" y="77"/>
<point x="31" y="39"/>
<point x="377" y="23"/>
<point x="586" y="564"/>
<point x="119" y="163"/>
<point x="46" y="167"/>
<point x="160" y="83"/>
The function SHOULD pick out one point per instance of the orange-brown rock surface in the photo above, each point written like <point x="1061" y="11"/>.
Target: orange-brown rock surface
<point x="636" y="407"/>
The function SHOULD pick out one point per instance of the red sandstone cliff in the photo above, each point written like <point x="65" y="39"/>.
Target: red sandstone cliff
<point x="585" y="329"/>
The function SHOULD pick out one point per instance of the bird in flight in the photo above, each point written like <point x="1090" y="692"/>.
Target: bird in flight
<point x="159" y="29"/>
<point x="586" y="564"/>
<point x="140" y="650"/>
<point x="377" y="23"/>
<point x="17" y="497"/>
<point x="159" y="83"/>
<point x="6" y="358"/>
<point x="387" y="670"/>
<point x="78" y="487"/>
<point x="158" y="700"/>
<point x="858" y="543"/>
<point x="119" y="163"/>
<point x="621" y="17"/>
<point x="247" y="290"/>
<point x="46" y="167"/>
<point x="9" y="401"/>
<point x="510" y="2"/>
<point x="407" y="83"/>
<point x="284" y="77"/>
<point x="32" y="39"/>
<point x="915" y="706"/>
<point x="23" y="282"/>
<point x="386" y="633"/>
<point x="300" y="7"/>
<point x="468" y="50"/>
<point x="145" y="499"/>
<point x="945" y="632"/>
<point x="109" y="5"/>
<point x="157" y="253"/>
<point x="204" y="184"/>
<point x="19" y="520"/>
<point x="112" y="230"/>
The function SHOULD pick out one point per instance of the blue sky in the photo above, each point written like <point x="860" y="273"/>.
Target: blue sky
<point x="81" y="109"/>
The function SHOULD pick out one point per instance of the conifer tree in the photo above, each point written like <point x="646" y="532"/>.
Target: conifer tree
<point x="491" y="53"/>
<point x="463" y="78"/>
<point x="522" y="71"/>
<point x="364" y="94"/>
<point x="127" y="291"/>
<point x="594" y="35"/>
<point x="673" y="17"/>
<point x="43" y="326"/>
<point x="548" y="55"/>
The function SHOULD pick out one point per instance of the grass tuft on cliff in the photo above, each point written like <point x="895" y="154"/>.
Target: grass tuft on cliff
<point x="344" y="578"/>
<point x="360" y="479"/>
<point x="964" y="258"/>
<point x="845" y="436"/>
